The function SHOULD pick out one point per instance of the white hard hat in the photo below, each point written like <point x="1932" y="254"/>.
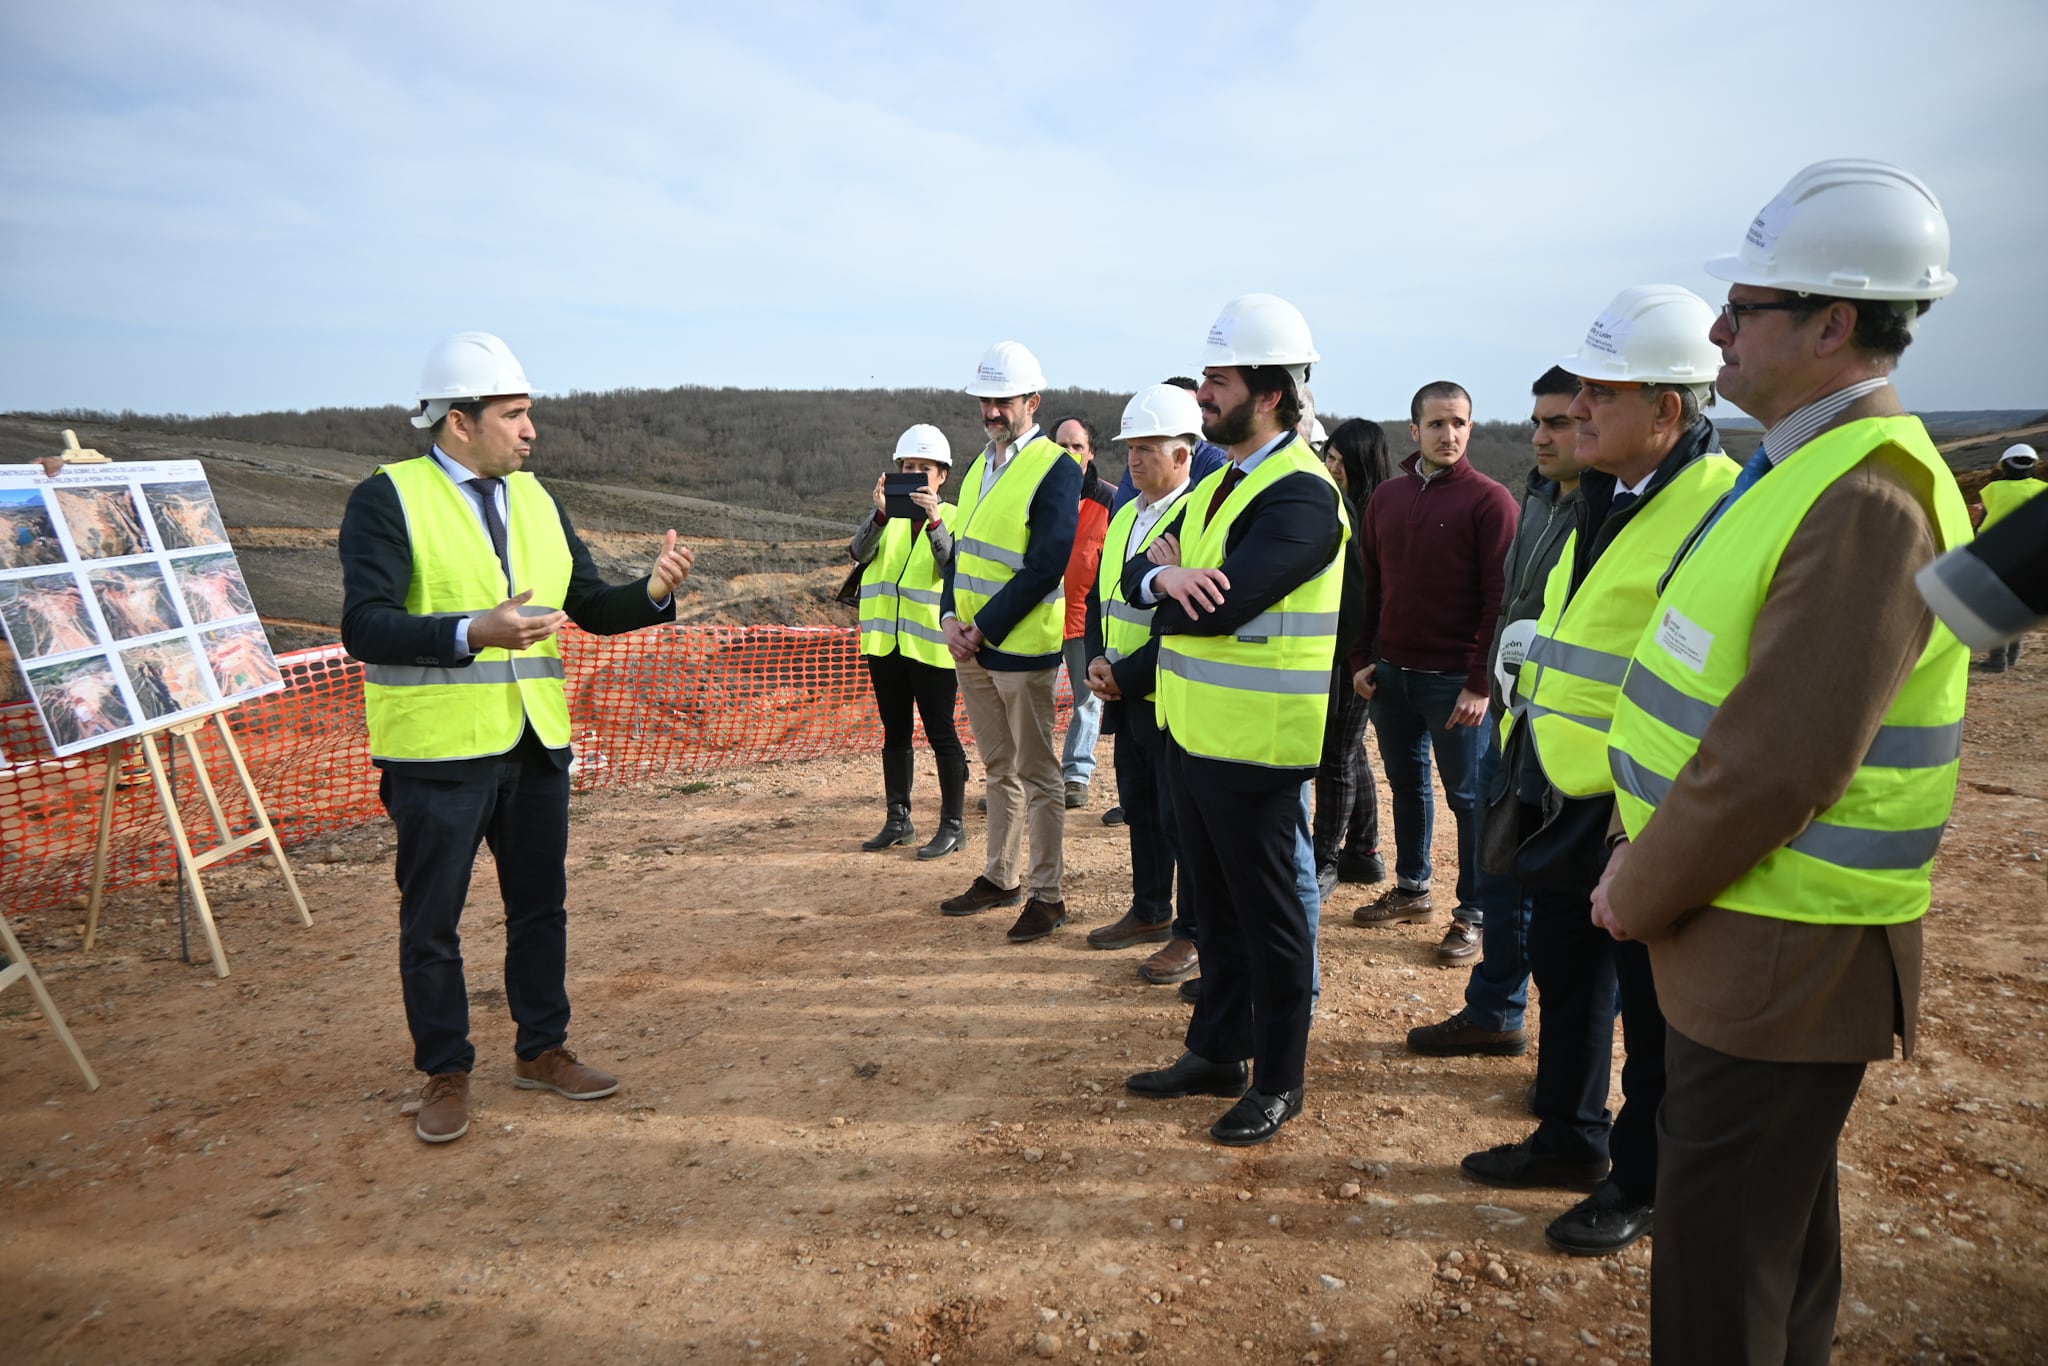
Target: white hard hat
<point x="1261" y="329"/>
<point x="1316" y="435"/>
<point x="1007" y="370"/>
<point x="2019" y="458"/>
<point x="1847" y="229"/>
<point x="1161" y="410"/>
<point x="925" y="442"/>
<point x="1652" y="334"/>
<point x="467" y="367"/>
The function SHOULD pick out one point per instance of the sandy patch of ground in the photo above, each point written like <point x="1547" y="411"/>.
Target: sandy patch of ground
<point x="853" y="1131"/>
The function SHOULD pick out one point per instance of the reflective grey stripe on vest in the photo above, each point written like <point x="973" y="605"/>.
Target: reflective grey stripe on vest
<point x="988" y="550"/>
<point x="1119" y="610"/>
<point x="988" y="588"/>
<point x="1893" y="747"/>
<point x="1245" y="677"/>
<point x="495" y="671"/>
<point x="1535" y="709"/>
<point x="1582" y="660"/>
<point x="1111" y="653"/>
<point x="1844" y="846"/>
<point x="1267" y="625"/>
<point x="884" y="589"/>
<point x="921" y="631"/>
<point x="928" y="596"/>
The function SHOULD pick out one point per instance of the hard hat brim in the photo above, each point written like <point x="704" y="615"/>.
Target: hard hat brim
<point x="1737" y="271"/>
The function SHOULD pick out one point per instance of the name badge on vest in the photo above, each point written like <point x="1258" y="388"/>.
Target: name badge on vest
<point x="1687" y="640"/>
<point x="1253" y="640"/>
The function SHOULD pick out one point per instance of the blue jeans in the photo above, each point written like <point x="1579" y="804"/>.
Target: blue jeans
<point x="1310" y="891"/>
<point x="1409" y="712"/>
<point x="1497" y="993"/>
<point x="1084" y="724"/>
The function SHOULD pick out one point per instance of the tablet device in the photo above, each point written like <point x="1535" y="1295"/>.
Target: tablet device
<point x="896" y="491"/>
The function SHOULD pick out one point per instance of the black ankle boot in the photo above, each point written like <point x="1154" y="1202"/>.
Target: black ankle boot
<point x="897" y="770"/>
<point x="952" y="832"/>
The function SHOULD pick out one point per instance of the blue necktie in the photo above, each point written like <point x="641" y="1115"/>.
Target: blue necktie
<point x="1759" y="465"/>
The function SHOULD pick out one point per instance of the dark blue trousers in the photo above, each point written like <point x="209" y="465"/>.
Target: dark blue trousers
<point x="1154" y="829"/>
<point x="1410" y="712"/>
<point x="519" y="806"/>
<point x="1580" y="969"/>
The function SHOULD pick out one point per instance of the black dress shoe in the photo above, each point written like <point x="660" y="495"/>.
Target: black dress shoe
<point x="1605" y="1221"/>
<point x="1191" y="1076"/>
<point x="1522" y="1166"/>
<point x="1326" y="880"/>
<point x="1113" y="816"/>
<point x="1040" y="918"/>
<point x="1366" y="868"/>
<point x="1191" y="991"/>
<point x="1256" y="1118"/>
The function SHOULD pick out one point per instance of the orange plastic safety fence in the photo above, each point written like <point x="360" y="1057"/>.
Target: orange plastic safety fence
<point x="668" y="702"/>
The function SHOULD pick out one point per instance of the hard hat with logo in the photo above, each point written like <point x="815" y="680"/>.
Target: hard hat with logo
<point x="924" y="442"/>
<point x="1650" y="334"/>
<point x="1261" y="329"/>
<point x="1848" y="229"/>
<point x="1007" y="370"/>
<point x="1161" y="410"/>
<point x="2019" y="459"/>
<point x="463" y="369"/>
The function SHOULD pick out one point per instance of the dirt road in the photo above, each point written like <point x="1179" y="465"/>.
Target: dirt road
<point x="853" y="1131"/>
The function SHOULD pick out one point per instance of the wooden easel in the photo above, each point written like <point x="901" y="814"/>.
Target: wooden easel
<point x="190" y="865"/>
<point x="19" y="969"/>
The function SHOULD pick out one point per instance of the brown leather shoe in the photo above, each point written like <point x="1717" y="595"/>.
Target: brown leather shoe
<point x="557" y="1070"/>
<point x="1175" y="963"/>
<point x="444" y="1108"/>
<point x="1128" y="931"/>
<point x="1396" y="906"/>
<point x="978" y="898"/>
<point x="1040" y="919"/>
<point x="1460" y="944"/>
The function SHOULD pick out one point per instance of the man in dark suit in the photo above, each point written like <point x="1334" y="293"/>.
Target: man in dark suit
<point x="467" y="716"/>
<point x="1247" y="587"/>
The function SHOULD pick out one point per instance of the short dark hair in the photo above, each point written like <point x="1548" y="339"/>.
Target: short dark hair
<point x="1362" y="446"/>
<point x="1275" y="379"/>
<point x="1885" y="328"/>
<point x="1181" y="382"/>
<point x="1437" y="388"/>
<point x="473" y="409"/>
<point x="1556" y="382"/>
<point x="1094" y="438"/>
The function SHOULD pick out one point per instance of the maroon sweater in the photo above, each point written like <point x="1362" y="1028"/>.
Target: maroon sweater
<point x="1435" y="566"/>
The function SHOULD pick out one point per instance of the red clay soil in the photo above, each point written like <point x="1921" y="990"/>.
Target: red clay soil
<point x="852" y="1131"/>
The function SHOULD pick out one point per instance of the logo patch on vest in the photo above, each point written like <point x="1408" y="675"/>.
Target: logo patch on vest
<point x="1686" y="640"/>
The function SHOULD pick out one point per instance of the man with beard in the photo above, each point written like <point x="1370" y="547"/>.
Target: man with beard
<point x="1247" y="589"/>
<point x="1003" y="608"/>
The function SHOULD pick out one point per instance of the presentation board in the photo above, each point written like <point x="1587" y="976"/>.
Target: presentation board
<point x="123" y="600"/>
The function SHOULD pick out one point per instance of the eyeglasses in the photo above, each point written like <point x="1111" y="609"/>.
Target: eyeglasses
<point x="1731" y="312"/>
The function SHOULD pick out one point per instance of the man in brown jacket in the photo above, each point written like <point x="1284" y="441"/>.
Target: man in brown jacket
<point x="1783" y="964"/>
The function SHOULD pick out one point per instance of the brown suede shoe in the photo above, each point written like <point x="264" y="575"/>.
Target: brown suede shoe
<point x="1040" y="919"/>
<point x="444" y="1108"/>
<point x="1396" y="906"/>
<point x="557" y="1070"/>
<point x="1128" y="931"/>
<point x="1175" y="963"/>
<point x="979" y="896"/>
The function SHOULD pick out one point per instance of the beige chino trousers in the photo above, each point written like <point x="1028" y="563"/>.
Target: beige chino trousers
<point x="1012" y="714"/>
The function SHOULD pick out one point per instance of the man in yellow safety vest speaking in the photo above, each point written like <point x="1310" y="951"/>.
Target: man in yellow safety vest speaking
<point x="458" y="571"/>
<point x="1784" y="758"/>
<point x="1653" y="468"/>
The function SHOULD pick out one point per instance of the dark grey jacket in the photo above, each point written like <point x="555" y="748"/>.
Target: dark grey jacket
<point x="1547" y="518"/>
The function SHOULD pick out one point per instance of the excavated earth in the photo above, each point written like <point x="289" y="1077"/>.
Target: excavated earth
<point x="852" y="1131"/>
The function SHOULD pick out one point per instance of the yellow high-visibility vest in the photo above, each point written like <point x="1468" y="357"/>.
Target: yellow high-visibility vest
<point x="422" y="713"/>
<point x="1262" y="695"/>
<point x="1125" y="625"/>
<point x="1867" y="859"/>
<point x="1573" y="671"/>
<point x="899" y="594"/>
<point x="2003" y="497"/>
<point x="991" y="537"/>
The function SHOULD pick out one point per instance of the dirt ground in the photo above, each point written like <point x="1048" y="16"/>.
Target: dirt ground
<point x="852" y="1131"/>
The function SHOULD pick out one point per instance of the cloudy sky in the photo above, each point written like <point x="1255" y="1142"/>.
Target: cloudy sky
<point x="241" y="206"/>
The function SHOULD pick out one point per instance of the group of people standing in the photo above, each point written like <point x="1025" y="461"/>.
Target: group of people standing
<point x="1699" y="732"/>
<point x="1728" y="664"/>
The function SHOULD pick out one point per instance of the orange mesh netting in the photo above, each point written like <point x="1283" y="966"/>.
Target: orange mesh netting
<point x="667" y="702"/>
